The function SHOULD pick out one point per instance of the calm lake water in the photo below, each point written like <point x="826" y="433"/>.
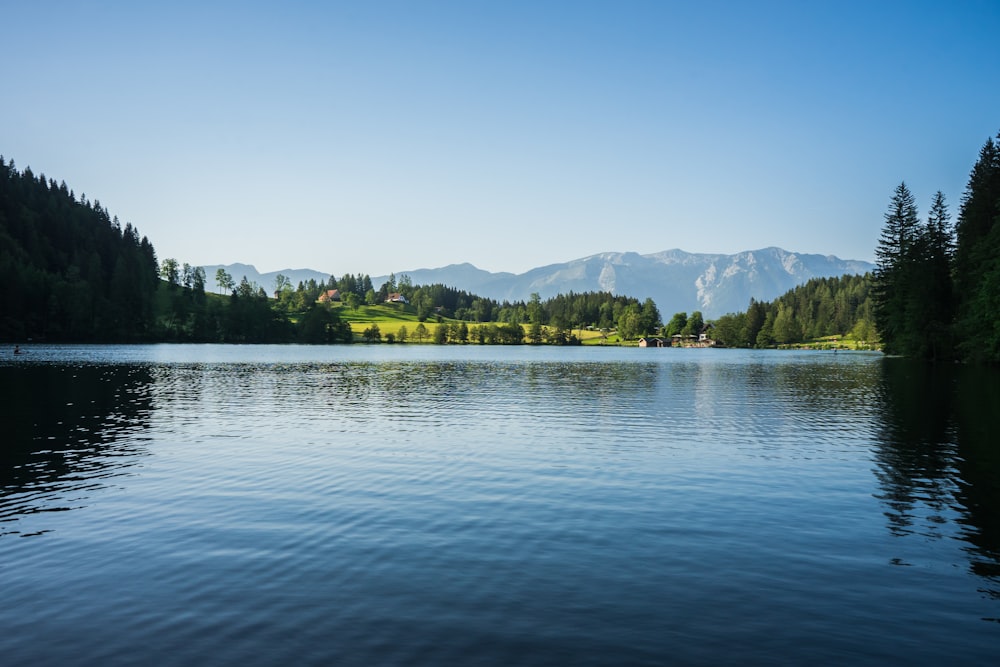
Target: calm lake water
<point x="424" y="505"/>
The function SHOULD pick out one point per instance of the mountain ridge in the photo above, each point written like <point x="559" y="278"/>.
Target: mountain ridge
<point x="676" y="280"/>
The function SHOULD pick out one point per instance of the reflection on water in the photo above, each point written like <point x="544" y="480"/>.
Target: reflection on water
<point x="978" y="428"/>
<point x="68" y="430"/>
<point x="938" y="460"/>
<point x="497" y="507"/>
<point x="917" y="454"/>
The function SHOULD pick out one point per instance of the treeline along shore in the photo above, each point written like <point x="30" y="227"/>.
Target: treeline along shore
<point x="72" y="272"/>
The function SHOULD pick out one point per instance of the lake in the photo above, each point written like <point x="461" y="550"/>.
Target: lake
<point x="466" y="505"/>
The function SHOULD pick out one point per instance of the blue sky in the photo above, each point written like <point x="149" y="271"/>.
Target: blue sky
<point x="389" y="136"/>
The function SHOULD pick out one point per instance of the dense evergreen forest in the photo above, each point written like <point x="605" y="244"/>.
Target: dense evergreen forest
<point x="69" y="271"/>
<point x="937" y="286"/>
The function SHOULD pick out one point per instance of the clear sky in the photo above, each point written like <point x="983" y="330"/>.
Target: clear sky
<point x="389" y="136"/>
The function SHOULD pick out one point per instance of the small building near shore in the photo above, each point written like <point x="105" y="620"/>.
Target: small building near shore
<point x="653" y="342"/>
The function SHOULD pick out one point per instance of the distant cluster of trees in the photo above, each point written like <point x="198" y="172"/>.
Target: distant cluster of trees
<point x="550" y="321"/>
<point x="820" y="307"/>
<point x="428" y="300"/>
<point x="451" y="333"/>
<point x="600" y="310"/>
<point x="186" y="314"/>
<point x="937" y="286"/>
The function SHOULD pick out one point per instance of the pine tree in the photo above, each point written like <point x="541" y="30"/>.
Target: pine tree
<point x="935" y="283"/>
<point x="978" y="212"/>
<point x="896" y="268"/>
<point x="977" y="260"/>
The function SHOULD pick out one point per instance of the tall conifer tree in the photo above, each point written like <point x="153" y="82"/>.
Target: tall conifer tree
<point x="896" y="268"/>
<point x="977" y="259"/>
<point x="935" y="282"/>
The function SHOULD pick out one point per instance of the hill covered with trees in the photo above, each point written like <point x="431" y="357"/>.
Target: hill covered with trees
<point x="821" y="307"/>
<point x="68" y="270"/>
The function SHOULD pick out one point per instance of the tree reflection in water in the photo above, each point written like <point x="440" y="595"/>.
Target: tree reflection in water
<point x="68" y="430"/>
<point x="938" y="460"/>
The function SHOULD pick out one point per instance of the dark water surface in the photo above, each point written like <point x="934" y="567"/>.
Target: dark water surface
<point x="423" y="505"/>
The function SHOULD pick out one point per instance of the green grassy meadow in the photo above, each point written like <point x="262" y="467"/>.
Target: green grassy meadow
<point x="391" y="317"/>
<point x="845" y="342"/>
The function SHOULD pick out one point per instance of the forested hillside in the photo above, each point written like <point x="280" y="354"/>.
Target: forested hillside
<point x="821" y="307"/>
<point x="69" y="271"/>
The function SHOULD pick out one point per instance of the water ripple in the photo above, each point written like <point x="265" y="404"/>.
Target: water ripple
<point x="337" y="508"/>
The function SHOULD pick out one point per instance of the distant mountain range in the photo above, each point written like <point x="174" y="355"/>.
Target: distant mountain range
<point x="677" y="281"/>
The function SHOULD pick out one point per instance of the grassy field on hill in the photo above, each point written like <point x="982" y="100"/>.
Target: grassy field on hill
<point x="392" y="317"/>
<point x="844" y="342"/>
